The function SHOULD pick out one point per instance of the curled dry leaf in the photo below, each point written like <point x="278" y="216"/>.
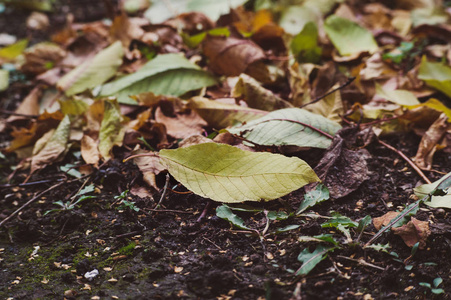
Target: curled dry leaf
<point x="384" y="220"/>
<point x="41" y="57"/>
<point x="150" y="166"/>
<point x="413" y="232"/>
<point x="257" y="96"/>
<point x="430" y="142"/>
<point x="231" y="56"/>
<point x="341" y="169"/>
<point x="29" y="106"/>
<point x="182" y="124"/>
<point x="89" y="150"/>
<point x="54" y="148"/>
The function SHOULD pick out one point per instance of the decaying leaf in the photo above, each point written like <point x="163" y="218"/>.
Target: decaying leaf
<point x="413" y="232"/>
<point x="111" y="130"/>
<point x="256" y="96"/>
<point x="430" y="141"/>
<point x="54" y="148"/>
<point x="150" y="166"/>
<point x="29" y="106"/>
<point x="181" y="124"/>
<point x="384" y="220"/>
<point x="227" y="174"/>
<point x="436" y="200"/>
<point x="343" y="170"/>
<point x="89" y="150"/>
<point x="221" y="115"/>
<point x="289" y="126"/>
<point x="231" y="56"/>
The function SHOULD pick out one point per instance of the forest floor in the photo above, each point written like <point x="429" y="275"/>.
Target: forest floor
<point x="183" y="250"/>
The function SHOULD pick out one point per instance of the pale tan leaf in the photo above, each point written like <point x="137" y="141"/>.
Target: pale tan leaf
<point x="89" y="150"/>
<point x="55" y="147"/>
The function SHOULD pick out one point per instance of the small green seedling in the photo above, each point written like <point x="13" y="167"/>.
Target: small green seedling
<point x="434" y="287"/>
<point x="124" y="203"/>
<point x="69" y="205"/>
<point x="341" y="223"/>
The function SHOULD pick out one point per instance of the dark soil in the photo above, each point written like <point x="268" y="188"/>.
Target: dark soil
<point x="184" y="251"/>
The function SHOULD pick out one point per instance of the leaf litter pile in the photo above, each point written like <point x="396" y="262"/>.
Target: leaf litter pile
<point x="225" y="149"/>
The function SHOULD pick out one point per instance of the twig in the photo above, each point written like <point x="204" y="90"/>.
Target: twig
<point x="29" y="202"/>
<point x="408" y="160"/>
<point x="204" y="212"/>
<point x="12" y="113"/>
<point x="348" y="82"/>
<point x="164" y="191"/>
<point x="362" y="262"/>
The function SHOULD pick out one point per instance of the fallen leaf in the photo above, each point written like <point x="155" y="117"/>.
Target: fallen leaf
<point x="221" y="115"/>
<point x="227" y="174"/>
<point x="111" y="130"/>
<point x="92" y="72"/>
<point x="29" y="106"/>
<point x="89" y="150"/>
<point x="348" y="37"/>
<point x="256" y="96"/>
<point x="341" y="169"/>
<point x="311" y="259"/>
<point x="436" y="74"/>
<point x="54" y="148"/>
<point x="167" y="74"/>
<point x="42" y="57"/>
<point x="289" y="126"/>
<point x="430" y="141"/>
<point x="413" y="232"/>
<point x="384" y="220"/>
<point x="230" y="56"/>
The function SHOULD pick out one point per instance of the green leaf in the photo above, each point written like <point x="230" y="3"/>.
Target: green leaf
<point x="305" y="44"/>
<point x="277" y="215"/>
<point x="348" y="37"/>
<point x="287" y="228"/>
<point x="442" y="198"/>
<point x="437" y="75"/>
<point x="311" y="259"/>
<point x="213" y="8"/>
<point x="167" y="74"/>
<point x="401" y="97"/>
<point x="4" y="80"/>
<point x="341" y="223"/>
<point x="363" y="223"/>
<point x="93" y="72"/>
<point x="221" y="115"/>
<point x="328" y="238"/>
<point x="225" y="213"/>
<point x="87" y="189"/>
<point x="313" y="197"/>
<point x="379" y="247"/>
<point x="290" y="126"/>
<point x="14" y="50"/>
<point x="70" y="170"/>
<point x="228" y="174"/>
<point x="111" y="130"/>
<point x="294" y="18"/>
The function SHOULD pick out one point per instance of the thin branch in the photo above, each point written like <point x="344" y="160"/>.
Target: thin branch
<point x="408" y="160"/>
<point x="12" y="113"/>
<point x="362" y="262"/>
<point x="30" y="201"/>
<point x="348" y="82"/>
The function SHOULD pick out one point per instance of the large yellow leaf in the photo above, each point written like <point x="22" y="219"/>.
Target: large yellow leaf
<point x="228" y="174"/>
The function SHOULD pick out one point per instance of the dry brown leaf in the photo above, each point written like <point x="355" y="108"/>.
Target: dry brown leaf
<point x="125" y="30"/>
<point x="29" y="106"/>
<point x="384" y="220"/>
<point x="430" y="141"/>
<point x="141" y="192"/>
<point x="194" y="140"/>
<point x="38" y="58"/>
<point x="413" y="232"/>
<point x="256" y="96"/>
<point x="341" y="169"/>
<point x="230" y="56"/>
<point x="181" y="124"/>
<point x="150" y="166"/>
<point x="89" y="150"/>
